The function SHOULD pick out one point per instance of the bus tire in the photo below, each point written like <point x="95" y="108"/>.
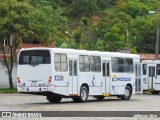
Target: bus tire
<point x="83" y="94"/>
<point x="127" y="94"/>
<point x="54" y="99"/>
<point x="99" y="97"/>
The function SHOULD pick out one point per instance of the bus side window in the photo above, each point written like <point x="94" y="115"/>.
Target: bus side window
<point x="60" y="62"/>
<point x="158" y="69"/>
<point x="108" y="70"/>
<point x="95" y="63"/>
<point x="75" y="68"/>
<point x="151" y="71"/>
<point x="129" y="65"/>
<point x="144" y="67"/>
<point x="70" y="67"/>
<point x="118" y="64"/>
<point x="84" y="63"/>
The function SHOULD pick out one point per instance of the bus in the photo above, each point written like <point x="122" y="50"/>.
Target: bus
<point x="68" y="73"/>
<point x="151" y="76"/>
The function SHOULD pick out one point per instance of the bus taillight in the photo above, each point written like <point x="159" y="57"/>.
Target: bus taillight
<point x="50" y="79"/>
<point x="18" y="79"/>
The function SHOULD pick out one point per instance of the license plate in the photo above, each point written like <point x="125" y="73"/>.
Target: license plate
<point x="36" y="83"/>
<point x="42" y="85"/>
<point x="33" y="84"/>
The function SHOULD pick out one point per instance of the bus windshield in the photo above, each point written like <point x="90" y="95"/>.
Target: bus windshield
<point x="34" y="57"/>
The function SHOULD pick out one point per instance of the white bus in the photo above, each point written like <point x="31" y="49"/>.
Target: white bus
<point x="67" y="73"/>
<point x="151" y="76"/>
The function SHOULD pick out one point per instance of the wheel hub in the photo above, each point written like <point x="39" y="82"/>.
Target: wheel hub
<point x="83" y="94"/>
<point x="126" y="92"/>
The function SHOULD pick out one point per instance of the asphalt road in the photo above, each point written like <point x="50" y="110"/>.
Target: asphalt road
<point x="23" y="102"/>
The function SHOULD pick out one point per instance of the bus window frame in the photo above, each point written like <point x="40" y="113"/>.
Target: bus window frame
<point x="157" y="69"/>
<point x="94" y="63"/>
<point x="117" y="70"/>
<point x="128" y="65"/>
<point x="84" y="64"/>
<point x="60" y="62"/>
<point x="23" y="54"/>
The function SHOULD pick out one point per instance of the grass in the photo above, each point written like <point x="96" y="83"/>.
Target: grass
<point x="7" y="90"/>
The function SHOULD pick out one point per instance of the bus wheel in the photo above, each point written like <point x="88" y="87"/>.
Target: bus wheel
<point x="54" y="99"/>
<point x="83" y="94"/>
<point x="99" y="97"/>
<point x="127" y="94"/>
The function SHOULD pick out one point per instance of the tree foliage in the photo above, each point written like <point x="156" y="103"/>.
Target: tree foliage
<point x="106" y="25"/>
<point x="136" y="9"/>
<point x="20" y="19"/>
<point x="80" y="8"/>
<point x="133" y="29"/>
<point x="110" y="32"/>
<point x="13" y="25"/>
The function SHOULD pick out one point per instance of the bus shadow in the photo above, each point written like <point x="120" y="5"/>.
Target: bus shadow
<point x="87" y="102"/>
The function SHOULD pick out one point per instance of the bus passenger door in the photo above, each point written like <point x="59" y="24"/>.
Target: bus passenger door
<point x="157" y="77"/>
<point x="106" y="77"/>
<point x="138" y="78"/>
<point x="151" y="77"/>
<point x="73" y="81"/>
<point x="144" y="76"/>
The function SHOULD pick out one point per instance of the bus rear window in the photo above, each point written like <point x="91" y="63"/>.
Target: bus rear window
<point x="35" y="57"/>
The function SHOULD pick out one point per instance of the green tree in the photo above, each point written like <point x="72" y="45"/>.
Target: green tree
<point x="41" y="3"/>
<point x="102" y="4"/>
<point x="18" y="20"/>
<point x="135" y="8"/>
<point x="111" y="31"/>
<point x="144" y="34"/>
<point x="152" y="4"/>
<point x="82" y="8"/>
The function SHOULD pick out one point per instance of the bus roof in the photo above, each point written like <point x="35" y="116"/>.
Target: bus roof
<point x="80" y="52"/>
<point x="151" y="61"/>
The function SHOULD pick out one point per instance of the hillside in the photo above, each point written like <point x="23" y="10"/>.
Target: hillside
<point x="110" y="25"/>
<point x="105" y="25"/>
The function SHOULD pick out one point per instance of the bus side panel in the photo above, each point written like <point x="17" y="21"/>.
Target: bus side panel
<point x="157" y="78"/>
<point x="96" y="83"/>
<point x="157" y="83"/>
<point x="93" y="80"/>
<point x="144" y="76"/>
<point x="145" y="82"/>
<point x="119" y="82"/>
<point x="60" y="82"/>
<point x="60" y="74"/>
<point x="61" y="90"/>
